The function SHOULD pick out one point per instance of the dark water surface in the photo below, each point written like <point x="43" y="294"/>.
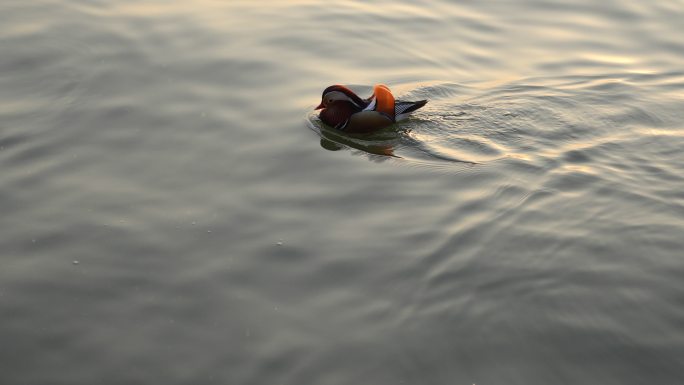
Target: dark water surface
<point x="171" y="212"/>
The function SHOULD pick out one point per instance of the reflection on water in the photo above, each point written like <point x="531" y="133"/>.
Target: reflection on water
<point x="522" y="228"/>
<point x="382" y="142"/>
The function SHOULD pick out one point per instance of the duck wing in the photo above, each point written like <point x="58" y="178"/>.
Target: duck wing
<point x="365" y="121"/>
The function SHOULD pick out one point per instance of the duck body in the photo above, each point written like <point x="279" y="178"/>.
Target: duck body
<point x="342" y="109"/>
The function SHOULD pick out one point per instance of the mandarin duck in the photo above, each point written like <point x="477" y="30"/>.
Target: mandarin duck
<point x="343" y="109"/>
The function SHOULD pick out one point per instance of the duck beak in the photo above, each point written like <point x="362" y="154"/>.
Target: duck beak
<point x="319" y="106"/>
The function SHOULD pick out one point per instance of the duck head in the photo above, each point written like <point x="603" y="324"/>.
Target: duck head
<point x="337" y="93"/>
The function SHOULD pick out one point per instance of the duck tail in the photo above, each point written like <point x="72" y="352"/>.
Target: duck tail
<point x="415" y="106"/>
<point x="403" y="109"/>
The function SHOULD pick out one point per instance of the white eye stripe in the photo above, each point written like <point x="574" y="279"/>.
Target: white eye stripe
<point x="333" y="96"/>
<point x="353" y="102"/>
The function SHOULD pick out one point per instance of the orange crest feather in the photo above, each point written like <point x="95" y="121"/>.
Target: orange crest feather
<point x="384" y="99"/>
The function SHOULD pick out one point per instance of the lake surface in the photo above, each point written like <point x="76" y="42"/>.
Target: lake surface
<point x="173" y="212"/>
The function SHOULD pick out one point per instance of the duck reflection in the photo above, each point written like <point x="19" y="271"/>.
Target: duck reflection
<point x="379" y="143"/>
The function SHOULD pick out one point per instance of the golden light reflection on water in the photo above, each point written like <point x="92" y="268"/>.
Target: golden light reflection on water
<point x="671" y="132"/>
<point x="520" y="156"/>
<point x="580" y="168"/>
<point x="612" y="59"/>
